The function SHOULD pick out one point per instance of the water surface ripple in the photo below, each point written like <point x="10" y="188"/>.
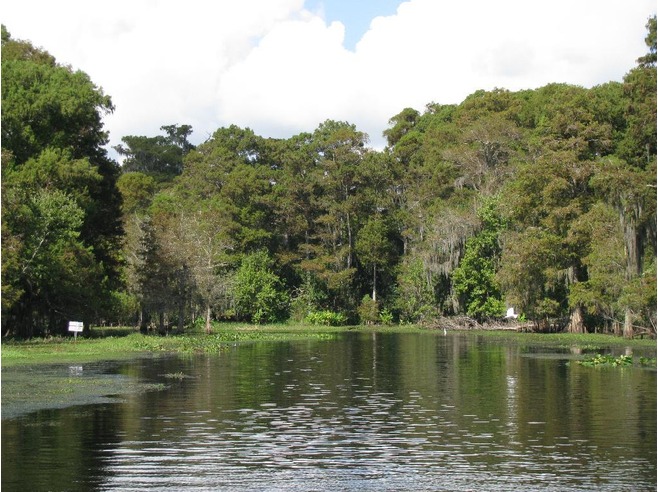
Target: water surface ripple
<point x="403" y="412"/>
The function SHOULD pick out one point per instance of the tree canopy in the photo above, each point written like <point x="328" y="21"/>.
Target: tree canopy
<point x="61" y="218"/>
<point x="543" y="200"/>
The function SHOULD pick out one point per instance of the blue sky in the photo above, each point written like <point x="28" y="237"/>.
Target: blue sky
<point x="282" y="67"/>
<point x="356" y="15"/>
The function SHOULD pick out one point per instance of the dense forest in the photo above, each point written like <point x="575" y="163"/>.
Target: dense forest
<point x="543" y="199"/>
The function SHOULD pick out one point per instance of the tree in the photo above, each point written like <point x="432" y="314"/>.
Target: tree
<point x="628" y="184"/>
<point x="48" y="105"/>
<point x="228" y="168"/>
<point x="257" y="291"/>
<point x="544" y="202"/>
<point x="206" y="245"/>
<point x="632" y="192"/>
<point x="328" y="250"/>
<point x="375" y="248"/>
<point x="147" y="272"/>
<point x="600" y="293"/>
<point x="649" y="60"/>
<point x="401" y="123"/>
<point x="48" y="272"/>
<point x="474" y="280"/>
<point x="483" y="153"/>
<point x="294" y="197"/>
<point x="529" y="274"/>
<point x="45" y="202"/>
<point x="340" y="149"/>
<point x="137" y="191"/>
<point x="52" y="142"/>
<point x="414" y="297"/>
<point x="160" y="157"/>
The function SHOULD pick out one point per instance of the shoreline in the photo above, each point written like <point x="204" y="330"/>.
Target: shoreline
<point x="107" y="344"/>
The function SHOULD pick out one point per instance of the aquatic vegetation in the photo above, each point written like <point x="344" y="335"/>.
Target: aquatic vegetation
<point x="176" y="375"/>
<point x="607" y="360"/>
<point x="619" y="361"/>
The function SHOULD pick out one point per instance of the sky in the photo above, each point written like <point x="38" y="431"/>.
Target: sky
<point x="282" y="67"/>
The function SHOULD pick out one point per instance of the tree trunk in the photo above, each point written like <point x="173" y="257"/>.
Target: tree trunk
<point x="181" y="315"/>
<point x="576" y="324"/>
<point x="161" y="323"/>
<point x="349" y="242"/>
<point x="633" y="264"/>
<point x="143" y="320"/>
<point x="208" y="310"/>
<point x="628" y="331"/>
<point x="616" y="328"/>
<point x="374" y="283"/>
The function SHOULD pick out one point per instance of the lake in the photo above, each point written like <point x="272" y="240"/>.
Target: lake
<point x="364" y="411"/>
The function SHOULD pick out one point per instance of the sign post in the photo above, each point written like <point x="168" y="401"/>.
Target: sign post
<point x="76" y="327"/>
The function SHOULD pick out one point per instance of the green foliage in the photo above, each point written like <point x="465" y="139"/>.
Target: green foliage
<point x="48" y="266"/>
<point x="137" y="191"/>
<point x="48" y="105"/>
<point x="307" y="298"/>
<point x="368" y="311"/>
<point x="649" y="60"/>
<point x="123" y="306"/>
<point x="604" y="262"/>
<point x="258" y="292"/>
<point x="638" y="296"/>
<point x="386" y="317"/>
<point x="374" y="247"/>
<point x="528" y="274"/>
<point x="326" y="318"/>
<point x="414" y="297"/>
<point x="607" y="360"/>
<point x="61" y="208"/>
<point x="474" y="281"/>
<point x="543" y="198"/>
<point x="160" y="157"/>
<point x="402" y="124"/>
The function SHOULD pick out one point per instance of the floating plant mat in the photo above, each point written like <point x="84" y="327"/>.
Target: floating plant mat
<point x="27" y="389"/>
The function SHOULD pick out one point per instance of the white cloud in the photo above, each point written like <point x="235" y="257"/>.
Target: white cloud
<point x="300" y="74"/>
<point x="281" y="70"/>
<point x="295" y="75"/>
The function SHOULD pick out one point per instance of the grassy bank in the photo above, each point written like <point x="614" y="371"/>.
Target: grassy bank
<point x="121" y="343"/>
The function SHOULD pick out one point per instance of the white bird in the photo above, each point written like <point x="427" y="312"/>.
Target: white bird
<point x="511" y="313"/>
<point x="445" y="332"/>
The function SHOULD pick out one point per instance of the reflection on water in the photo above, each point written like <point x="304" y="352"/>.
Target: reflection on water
<point x="364" y="412"/>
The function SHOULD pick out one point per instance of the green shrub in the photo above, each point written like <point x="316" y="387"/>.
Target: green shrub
<point x="258" y="292"/>
<point x="326" y="317"/>
<point x="414" y="299"/>
<point x="368" y="311"/>
<point x="386" y="317"/>
<point x="307" y="298"/>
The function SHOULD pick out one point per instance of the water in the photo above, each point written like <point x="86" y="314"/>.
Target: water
<point x="363" y="412"/>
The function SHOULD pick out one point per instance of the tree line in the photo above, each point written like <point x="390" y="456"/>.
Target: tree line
<point x="540" y="199"/>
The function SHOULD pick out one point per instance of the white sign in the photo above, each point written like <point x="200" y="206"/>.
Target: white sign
<point x="76" y="326"/>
